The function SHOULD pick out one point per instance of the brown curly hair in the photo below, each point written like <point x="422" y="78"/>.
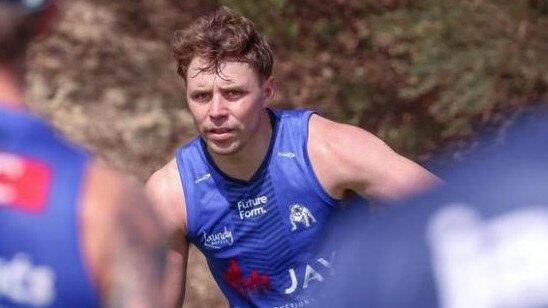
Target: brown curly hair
<point x="222" y="36"/>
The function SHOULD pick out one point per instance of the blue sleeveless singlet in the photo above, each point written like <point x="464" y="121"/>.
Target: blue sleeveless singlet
<point x="262" y="238"/>
<point x="41" y="261"/>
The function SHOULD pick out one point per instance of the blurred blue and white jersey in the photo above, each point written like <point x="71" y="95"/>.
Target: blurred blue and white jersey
<point x="42" y="258"/>
<point x="481" y="240"/>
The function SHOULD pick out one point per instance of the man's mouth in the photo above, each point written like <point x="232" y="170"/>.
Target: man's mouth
<point x="220" y="134"/>
<point x="220" y="130"/>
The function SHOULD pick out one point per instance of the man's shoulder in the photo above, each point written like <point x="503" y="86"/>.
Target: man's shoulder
<point x="194" y="142"/>
<point x="39" y="137"/>
<point x="347" y="135"/>
<point x="108" y="191"/>
<point x="294" y="120"/>
<point x="165" y="191"/>
<point x="292" y="113"/>
<point x="101" y="176"/>
<point x="165" y="178"/>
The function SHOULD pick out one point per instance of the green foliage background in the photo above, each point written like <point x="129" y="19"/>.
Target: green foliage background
<point x="421" y="74"/>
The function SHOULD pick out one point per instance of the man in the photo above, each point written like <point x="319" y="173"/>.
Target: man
<point x="479" y="241"/>
<point x="73" y="233"/>
<point x="254" y="191"/>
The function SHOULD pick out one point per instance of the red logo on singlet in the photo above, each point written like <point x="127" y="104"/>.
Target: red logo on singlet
<point x="24" y="183"/>
<point x="255" y="282"/>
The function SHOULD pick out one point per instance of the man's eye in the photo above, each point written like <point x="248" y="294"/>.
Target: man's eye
<point x="201" y="97"/>
<point x="234" y="94"/>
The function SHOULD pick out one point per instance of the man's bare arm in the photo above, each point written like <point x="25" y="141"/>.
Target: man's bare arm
<point x="348" y="158"/>
<point x="166" y="192"/>
<point x="124" y="240"/>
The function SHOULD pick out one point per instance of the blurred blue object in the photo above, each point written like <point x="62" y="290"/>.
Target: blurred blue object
<point x="31" y="6"/>
<point x="481" y="240"/>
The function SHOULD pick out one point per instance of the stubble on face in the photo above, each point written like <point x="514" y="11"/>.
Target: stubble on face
<point x="227" y="106"/>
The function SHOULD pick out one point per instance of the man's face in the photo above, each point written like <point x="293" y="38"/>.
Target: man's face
<point x="227" y="107"/>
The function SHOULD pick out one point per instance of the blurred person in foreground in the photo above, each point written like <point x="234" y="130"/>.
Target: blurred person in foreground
<point x="255" y="189"/>
<point x="73" y="233"/>
<point x="481" y="240"/>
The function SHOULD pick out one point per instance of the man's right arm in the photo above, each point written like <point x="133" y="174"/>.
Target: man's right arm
<point x="124" y="242"/>
<point x="165" y="190"/>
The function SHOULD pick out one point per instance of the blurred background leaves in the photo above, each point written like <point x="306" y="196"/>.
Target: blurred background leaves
<point x="424" y="75"/>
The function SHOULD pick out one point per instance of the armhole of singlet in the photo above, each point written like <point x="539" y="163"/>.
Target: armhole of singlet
<point x="189" y="208"/>
<point x="305" y="125"/>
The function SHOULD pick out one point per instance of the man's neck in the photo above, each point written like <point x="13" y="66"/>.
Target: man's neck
<point x="246" y="162"/>
<point x="11" y="88"/>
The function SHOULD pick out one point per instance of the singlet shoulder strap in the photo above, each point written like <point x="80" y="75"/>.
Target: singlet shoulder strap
<point x="292" y="139"/>
<point x="194" y="172"/>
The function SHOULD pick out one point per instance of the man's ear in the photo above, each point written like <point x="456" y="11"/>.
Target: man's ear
<point x="268" y="90"/>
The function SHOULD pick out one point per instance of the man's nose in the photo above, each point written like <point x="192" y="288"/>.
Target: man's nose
<point x="218" y="108"/>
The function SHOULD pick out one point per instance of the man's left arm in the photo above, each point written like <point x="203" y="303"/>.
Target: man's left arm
<point x="347" y="158"/>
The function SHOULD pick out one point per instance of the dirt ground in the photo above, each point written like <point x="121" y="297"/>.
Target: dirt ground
<point x="202" y="291"/>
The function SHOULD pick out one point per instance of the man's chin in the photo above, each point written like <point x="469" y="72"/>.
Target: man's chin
<point x="222" y="149"/>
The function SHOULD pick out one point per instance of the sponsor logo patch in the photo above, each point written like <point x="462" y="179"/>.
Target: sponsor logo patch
<point x="301" y="303"/>
<point x="218" y="240"/>
<point x="287" y="154"/>
<point x="25" y="284"/>
<point x="300" y="215"/>
<point x="495" y="261"/>
<point x="202" y="178"/>
<point x="302" y="277"/>
<point x="252" y="207"/>
<point x="24" y="183"/>
<point x="255" y="282"/>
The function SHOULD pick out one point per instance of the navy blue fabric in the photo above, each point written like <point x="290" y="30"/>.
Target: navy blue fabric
<point x="41" y="260"/>
<point x="478" y="241"/>
<point x="257" y="253"/>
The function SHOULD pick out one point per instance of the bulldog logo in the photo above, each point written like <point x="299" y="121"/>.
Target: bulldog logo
<point x="299" y="214"/>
